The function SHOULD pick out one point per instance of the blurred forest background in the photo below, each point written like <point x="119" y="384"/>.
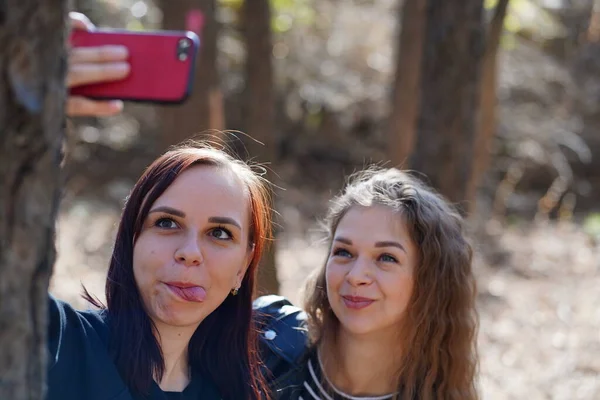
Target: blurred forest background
<point x="330" y="86"/>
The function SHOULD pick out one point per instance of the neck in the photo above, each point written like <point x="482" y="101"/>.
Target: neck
<point x="173" y="343"/>
<point x="342" y="355"/>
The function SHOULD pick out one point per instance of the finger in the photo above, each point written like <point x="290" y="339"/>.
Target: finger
<point x="82" y="74"/>
<point x="78" y="106"/>
<point x="80" y="21"/>
<point x="98" y="54"/>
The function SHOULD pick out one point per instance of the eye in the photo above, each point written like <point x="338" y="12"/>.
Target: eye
<point x="339" y="252"/>
<point x="166" y="223"/>
<point x="387" y="258"/>
<point x="221" y="233"/>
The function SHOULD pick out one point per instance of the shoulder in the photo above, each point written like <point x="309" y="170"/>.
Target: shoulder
<point x="69" y="329"/>
<point x="277" y="307"/>
<point x="292" y="385"/>
<point x="80" y="365"/>
<point x="283" y="331"/>
<point x="63" y="317"/>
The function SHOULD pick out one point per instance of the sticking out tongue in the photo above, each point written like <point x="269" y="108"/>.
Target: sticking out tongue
<point x="192" y="293"/>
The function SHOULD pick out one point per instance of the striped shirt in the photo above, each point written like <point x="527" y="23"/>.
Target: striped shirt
<point x="318" y="387"/>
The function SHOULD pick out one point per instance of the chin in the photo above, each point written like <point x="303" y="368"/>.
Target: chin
<point x="356" y="326"/>
<point x="180" y="319"/>
<point x="176" y="314"/>
<point x="357" y="330"/>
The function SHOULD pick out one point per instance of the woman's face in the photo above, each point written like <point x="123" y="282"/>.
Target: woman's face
<point x="193" y="247"/>
<point x="370" y="270"/>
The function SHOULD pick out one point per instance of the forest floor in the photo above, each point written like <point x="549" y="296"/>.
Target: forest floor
<point x="539" y="294"/>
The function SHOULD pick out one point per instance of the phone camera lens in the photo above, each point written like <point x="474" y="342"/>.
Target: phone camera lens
<point x="183" y="48"/>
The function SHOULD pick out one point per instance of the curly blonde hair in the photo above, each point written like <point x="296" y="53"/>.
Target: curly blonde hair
<point x="439" y="357"/>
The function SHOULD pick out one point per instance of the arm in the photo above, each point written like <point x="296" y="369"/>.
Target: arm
<point x="56" y="320"/>
<point x="283" y="335"/>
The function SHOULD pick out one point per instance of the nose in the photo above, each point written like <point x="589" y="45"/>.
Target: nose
<point x="189" y="252"/>
<point x="359" y="273"/>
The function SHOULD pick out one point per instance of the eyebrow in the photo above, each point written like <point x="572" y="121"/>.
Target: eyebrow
<point x="390" y="244"/>
<point x="225" y="220"/>
<point x="181" y="214"/>
<point x="168" y="210"/>
<point x="377" y="244"/>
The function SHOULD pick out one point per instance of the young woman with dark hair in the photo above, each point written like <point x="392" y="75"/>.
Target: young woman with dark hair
<point x="178" y="320"/>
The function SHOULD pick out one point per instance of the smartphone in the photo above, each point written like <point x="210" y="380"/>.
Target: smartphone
<point x="162" y="65"/>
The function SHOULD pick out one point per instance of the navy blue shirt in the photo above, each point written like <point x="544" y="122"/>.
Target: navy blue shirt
<point x="80" y="366"/>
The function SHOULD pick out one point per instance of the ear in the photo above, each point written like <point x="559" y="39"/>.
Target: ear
<point x="242" y="271"/>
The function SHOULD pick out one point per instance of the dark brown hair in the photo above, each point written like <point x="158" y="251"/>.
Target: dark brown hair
<point x="224" y="346"/>
<point x="439" y="357"/>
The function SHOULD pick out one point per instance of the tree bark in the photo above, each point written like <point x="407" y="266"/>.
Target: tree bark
<point x="487" y="102"/>
<point x="450" y="76"/>
<point x="203" y="110"/>
<point x="32" y="93"/>
<point x="260" y="110"/>
<point x="402" y="122"/>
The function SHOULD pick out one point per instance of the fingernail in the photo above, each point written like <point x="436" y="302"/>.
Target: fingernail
<point x="117" y="51"/>
<point x="116" y="105"/>
<point x="79" y="18"/>
<point x="120" y="67"/>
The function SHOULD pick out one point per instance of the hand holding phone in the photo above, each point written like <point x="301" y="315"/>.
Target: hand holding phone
<point x="93" y="65"/>
<point x="161" y="65"/>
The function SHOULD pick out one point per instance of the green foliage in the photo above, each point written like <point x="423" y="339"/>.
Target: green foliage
<point x="527" y="18"/>
<point x="235" y="4"/>
<point x="513" y="220"/>
<point x="591" y="225"/>
<point x="508" y="41"/>
<point x="135" y="25"/>
<point x="286" y="13"/>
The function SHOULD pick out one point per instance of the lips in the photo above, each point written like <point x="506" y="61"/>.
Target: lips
<point x="357" y="302"/>
<point x="187" y="291"/>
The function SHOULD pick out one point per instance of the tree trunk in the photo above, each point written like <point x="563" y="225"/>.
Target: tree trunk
<point x="260" y="110"/>
<point x="402" y="122"/>
<point x="32" y="69"/>
<point x="450" y="72"/>
<point x="203" y="110"/>
<point x="487" y="102"/>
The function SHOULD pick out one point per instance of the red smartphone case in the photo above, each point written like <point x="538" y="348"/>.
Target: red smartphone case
<point x="162" y="65"/>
